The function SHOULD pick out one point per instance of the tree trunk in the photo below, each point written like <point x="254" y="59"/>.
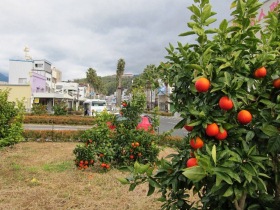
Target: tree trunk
<point x="241" y="204"/>
<point x="119" y="93"/>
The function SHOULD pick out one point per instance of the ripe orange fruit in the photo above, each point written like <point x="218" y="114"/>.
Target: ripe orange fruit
<point x="276" y="83"/>
<point x="191" y="162"/>
<point x="107" y="166"/>
<point x="133" y="144"/>
<point x="188" y="128"/>
<point x="244" y="117"/>
<point x="136" y="144"/>
<point x="221" y="135"/>
<point x="103" y="165"/>
<point x="202" y="84"/>
<point x="225" y="103"/>
<point x="260" y="72"/>
<point x="86" y="162"/>
<point x="212" y="129"/>
<point x="197" y="143"/>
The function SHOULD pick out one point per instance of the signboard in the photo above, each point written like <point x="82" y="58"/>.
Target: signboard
<point x="36" y="100"/>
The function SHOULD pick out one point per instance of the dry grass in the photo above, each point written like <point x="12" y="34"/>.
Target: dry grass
<point x="37" y="176"/>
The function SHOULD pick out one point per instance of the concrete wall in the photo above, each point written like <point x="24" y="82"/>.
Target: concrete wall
<point x="19" y="92"/>
<point x="19" y="69"/>
<point x="38" y="83"/>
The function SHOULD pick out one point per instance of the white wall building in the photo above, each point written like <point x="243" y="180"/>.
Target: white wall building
<point x="19" y="71"/>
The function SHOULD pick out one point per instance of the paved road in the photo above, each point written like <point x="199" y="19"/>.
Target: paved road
<point x="166" y="124"/>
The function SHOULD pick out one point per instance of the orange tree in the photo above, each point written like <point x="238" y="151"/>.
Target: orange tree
<point x="223" y="88"/>
<point x="118" y="143"/>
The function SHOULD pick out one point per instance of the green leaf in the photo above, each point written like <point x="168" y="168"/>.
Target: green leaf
<point x="268" y="103"/>
<point x="228" y="192"/>
<point x="206" y="12"/>
<point x="143" y="168"/>
<point x="270" y="130"/>
<point x="194" y="66"/>
<point x="225" y="65"/>
<point x="250" y="135"/>
<point x="187" y="33"/>
<point x="132" y="187"/>
<point x="227" y="79"/>
<point x="151" y="190"/>
<point x="195" y="10"/>
<point x="209" y="21"/>
<point x="224" y="177"/>
<point x="180" y="124"/>
<point x="123" y="180"/>
<point x="153" y="182"/>
<point x="194" y="123"/>
<point x="195" y="173"/>
<point x="223" y="25"/>
<point x="214" y="154"/>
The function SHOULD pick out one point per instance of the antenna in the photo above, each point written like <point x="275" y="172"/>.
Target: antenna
<point x="26" y="53"/>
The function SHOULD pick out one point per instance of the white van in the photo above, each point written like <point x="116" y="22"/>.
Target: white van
<point x="92" y="106"/>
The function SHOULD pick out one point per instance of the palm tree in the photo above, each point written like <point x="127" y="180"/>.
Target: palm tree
<point x="120" y="71"/>
<point x="151" y="77"/>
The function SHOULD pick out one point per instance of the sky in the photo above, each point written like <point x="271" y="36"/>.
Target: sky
<point x="77" y="35"/>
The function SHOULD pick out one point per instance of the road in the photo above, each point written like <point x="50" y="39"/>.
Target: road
<point x="166" y="124"/>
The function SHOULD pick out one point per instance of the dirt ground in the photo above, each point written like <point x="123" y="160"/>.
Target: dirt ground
<point x="42" y="176"/>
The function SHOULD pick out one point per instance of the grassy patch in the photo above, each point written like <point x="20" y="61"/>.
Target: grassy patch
<point x="58" y="167"/>
<point x="43" y="176"/>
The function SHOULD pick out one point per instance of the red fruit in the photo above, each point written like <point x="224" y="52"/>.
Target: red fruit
<point x="188" y="128"/>
<point x="212" y="129"/>
<point x="107" y="166"/>
<point x="86" y="162"/>
<point x="191" y="162"/>
<point x="244" y="117"/>
<point x="260" y="72"/>
<point x="197" y="143"/>
<point x="221" y="135"/>
<point x="276" y="83"/>
<point x="202" y="84"/>
<point x="131" y="156"/>
<point x="225" y="103"/>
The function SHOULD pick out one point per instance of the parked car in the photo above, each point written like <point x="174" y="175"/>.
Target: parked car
<point x="145" y="122"/>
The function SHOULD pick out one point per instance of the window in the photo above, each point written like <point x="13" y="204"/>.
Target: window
<point x="38" y="65"/>
<point x="22" y="80"/>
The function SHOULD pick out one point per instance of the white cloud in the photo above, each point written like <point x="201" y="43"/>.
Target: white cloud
<point x="75" y="35"/>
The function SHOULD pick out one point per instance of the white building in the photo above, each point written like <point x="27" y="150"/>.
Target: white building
<point x="19" y="71"/>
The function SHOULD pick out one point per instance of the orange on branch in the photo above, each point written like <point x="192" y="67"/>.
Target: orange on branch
<point x="244" y="117"/>
<point x="212" y="129"/>
<point x="225" y="103"/>
<point x="197" y="143"/>
<point x="202" y="84"/>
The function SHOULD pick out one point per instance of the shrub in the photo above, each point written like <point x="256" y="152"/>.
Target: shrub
<point x="39" y="109"/>
<point x="60" y="108"/>
<point x="11" y="117"/>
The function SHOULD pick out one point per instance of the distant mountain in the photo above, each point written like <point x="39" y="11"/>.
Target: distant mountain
<point x="3" y="77"/>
